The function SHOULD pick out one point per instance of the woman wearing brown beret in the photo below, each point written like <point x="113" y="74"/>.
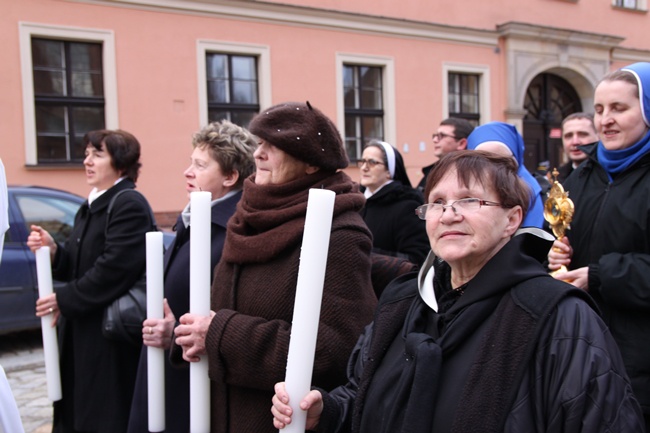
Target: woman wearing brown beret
<point x="246" y="337"/>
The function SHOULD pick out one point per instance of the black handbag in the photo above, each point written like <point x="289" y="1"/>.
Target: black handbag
<point x="124" y="316"/>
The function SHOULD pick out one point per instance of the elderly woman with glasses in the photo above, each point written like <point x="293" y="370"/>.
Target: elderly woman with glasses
<point x="483" y="339"/>
<point x="390" y="201"/>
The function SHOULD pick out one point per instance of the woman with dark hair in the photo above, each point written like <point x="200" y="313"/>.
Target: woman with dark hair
<point x="100" y="262"/>
<point x="483" y="339"/>
<point x="390" y="200"/>
<point x="607" y="249"/>
<point x="222" y="157"/>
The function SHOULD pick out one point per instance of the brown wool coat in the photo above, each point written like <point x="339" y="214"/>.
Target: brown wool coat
<point x="253" y="295"/>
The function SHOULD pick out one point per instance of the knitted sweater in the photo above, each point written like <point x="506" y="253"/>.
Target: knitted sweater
<point x="253" y="296"/>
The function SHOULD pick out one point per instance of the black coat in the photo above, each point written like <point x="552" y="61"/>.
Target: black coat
<point x="97" y="375"/>
<point x="571" y="379"/>
<point x="610" y="233"/>
<point x="177" y="292"/>
<point x="396" y="229"/>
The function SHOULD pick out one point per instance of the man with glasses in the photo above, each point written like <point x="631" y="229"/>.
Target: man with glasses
<point x="451" y="135"/>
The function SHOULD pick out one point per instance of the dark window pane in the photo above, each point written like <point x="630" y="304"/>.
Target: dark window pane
<point x="243" y="68"/>
<point x="373" y="128"/>
<point x="242" y="118"/>
<point x="49" y="83"/>
<point x="51" y="148"/>
<point x="86" y="57"/>
<point x="371" y="99"/>
<point x="348" y="77"/>
<point x="50" y="119"/>
<point x="47" y="54"/>
<point x="371" y="77"/>
<point x="349" y="96"/>
<point x="218" y="91"/>
<point x="216" y="115"/>
<point x="244" y="92"/>
<point x="87" y="84"/>
<point x="216" y="66"/>
<point x="87" y="119"/>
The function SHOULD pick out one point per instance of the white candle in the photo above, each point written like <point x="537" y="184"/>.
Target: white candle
<point x="50" y="343"/>
<point x="155" y="355"/>
<point x="306" y="310"/>
<point x="200" y="213"/>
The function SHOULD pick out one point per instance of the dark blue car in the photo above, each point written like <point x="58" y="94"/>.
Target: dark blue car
<point x="52" y="209"/>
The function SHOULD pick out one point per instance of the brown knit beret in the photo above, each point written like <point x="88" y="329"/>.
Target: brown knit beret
<point x="302" y="131"/>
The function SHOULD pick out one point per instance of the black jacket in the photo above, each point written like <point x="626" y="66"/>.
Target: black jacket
<point x="396" y="229"/>
<point x="177" y="293"/>
<point x="573" y="379"/>
<point x="610" y="233"/>
<point x="97" y="375"/>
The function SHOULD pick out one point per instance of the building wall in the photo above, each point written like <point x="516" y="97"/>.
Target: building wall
<point x="159" y="47"/>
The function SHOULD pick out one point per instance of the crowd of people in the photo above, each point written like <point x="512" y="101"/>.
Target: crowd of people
<point x="471" y="334"/>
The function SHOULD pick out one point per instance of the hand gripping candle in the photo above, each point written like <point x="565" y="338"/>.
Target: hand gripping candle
<point x="155" y="355"/>
<point x="309" y="294"/>
<point x="200" y="304"/>
<point x="50" y="344"/>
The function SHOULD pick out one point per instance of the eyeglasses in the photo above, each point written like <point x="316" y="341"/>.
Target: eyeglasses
<point x="441" y="135"/>
<point x="371" y="162"/>
<point x="463" y="206"/>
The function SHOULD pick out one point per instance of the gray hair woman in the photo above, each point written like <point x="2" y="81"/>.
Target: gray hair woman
<point x="483" y="339"/>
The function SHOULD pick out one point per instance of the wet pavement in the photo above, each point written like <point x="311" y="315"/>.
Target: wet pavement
<point x="21" y="356"/>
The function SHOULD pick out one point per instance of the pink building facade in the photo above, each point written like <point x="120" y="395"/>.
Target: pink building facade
<point x="162" y="69"/>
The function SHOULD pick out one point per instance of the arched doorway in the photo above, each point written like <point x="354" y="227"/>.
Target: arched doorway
<point x="549" y="99"/>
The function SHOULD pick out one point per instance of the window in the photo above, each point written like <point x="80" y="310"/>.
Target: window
<point x="232" y="87"/>
<point x="364" y="108"/>
<point x="635" y="5"/>
<point x="70" y="88"/>
<point x="466" y="92"/>
<point x="234" y="81"/>
<point x="629" y="4"/>
<point x="68" y="97"/>
<point x="463" y="96"/>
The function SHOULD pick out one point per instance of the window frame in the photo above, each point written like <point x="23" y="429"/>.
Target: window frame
<point x="73" y="34"/>
<point x="262" y="52"/>
<point x="483" y="92"/>
<point x="387" y="64"/>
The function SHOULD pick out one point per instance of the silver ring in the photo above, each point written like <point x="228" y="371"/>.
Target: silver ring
<point x="51" y="310"/>
<point x="150" y="330"/>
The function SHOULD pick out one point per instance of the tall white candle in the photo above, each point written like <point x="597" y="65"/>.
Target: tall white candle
<point x="155" y="355"/>
<point x="306" y="310"/>
<point x="50" y="343"/>
<point x="200" y="213"/>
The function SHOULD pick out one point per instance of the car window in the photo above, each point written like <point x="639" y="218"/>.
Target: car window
<point x="56" y="215"/>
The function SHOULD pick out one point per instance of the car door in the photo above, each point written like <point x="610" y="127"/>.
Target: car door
<point x="52" y="210"/>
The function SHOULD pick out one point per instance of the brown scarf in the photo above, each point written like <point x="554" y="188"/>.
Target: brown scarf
<point x="271" y="218"/>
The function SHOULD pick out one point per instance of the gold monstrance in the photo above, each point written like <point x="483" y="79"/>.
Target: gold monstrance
<point x="558" y="211"/>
